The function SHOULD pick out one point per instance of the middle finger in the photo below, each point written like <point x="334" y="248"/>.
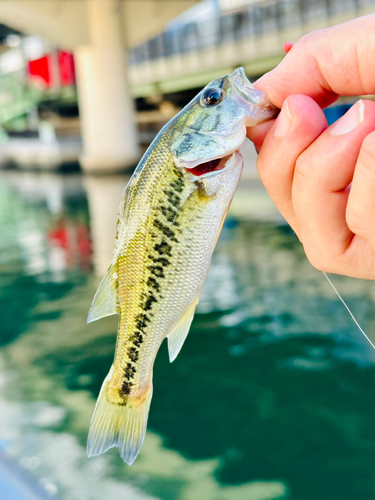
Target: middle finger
<point x="320" y="186"/>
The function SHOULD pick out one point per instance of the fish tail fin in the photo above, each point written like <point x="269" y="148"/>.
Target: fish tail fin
<point x="119" y="422"/>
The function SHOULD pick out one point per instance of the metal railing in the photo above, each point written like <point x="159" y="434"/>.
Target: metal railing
<point x="257" y="20"/>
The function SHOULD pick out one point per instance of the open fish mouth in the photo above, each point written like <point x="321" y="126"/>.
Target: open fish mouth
<point x="210" y="166"/>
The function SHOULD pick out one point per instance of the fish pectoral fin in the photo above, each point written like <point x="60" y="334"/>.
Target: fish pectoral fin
<point x="178" y="335"/>
<point x="105" y="301"/>
<point x="119" y="424"/>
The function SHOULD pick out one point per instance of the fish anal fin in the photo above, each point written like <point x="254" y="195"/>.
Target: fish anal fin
<point x="122" y="425"/>
<point x="178" y="335"/>
<point x="105" y="300"/>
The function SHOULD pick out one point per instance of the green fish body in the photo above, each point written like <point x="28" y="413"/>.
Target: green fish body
<point x="169" y="220"/>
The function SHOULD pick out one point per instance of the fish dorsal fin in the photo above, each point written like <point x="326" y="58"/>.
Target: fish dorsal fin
<point x="178" y="335"/>
<point x="105" y="300"/>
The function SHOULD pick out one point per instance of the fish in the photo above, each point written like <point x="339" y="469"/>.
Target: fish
<point x="169" y="221"/>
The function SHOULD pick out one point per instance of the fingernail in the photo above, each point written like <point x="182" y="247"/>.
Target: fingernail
<point x="350" y="120"/>
<point x="284" y="121"/>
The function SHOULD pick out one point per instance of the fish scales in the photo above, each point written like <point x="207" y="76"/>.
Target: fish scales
<point x="154" y="262"/>
<point x="169" y="220"/>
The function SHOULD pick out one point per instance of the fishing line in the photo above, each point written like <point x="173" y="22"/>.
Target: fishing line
<point x="349" y="311"/>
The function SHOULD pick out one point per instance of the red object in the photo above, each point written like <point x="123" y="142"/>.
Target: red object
<point x="83" y="242"/>
<point x="40" y="70"/>
<point x="66" y="68"/>
<point x="59" y="237"/>
<point x="287" y="46"/>
<point x="44" y="70"/>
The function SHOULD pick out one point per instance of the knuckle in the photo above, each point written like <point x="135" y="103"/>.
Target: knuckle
<point x="368" y="152"/>
<point x="262" y="167"/>
<point x="304" y="169"/>
<point x="269" y="176"/>
<point x="356" y="221"/>
<point x="309" y="39"/>
<point x="359" y="216"/>
<point x="321" y="258"/>
<point x="315" y="262"/>
<point x="319" y="263"/>
<point x="265" y="172"/>
<point x="316" y="257"/>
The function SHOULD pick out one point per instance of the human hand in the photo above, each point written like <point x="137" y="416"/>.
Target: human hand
<point x="323" y="179"/>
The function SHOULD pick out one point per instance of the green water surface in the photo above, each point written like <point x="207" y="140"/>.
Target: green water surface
<point x="271" y="397"/>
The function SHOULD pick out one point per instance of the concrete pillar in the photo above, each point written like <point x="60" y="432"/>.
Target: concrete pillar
<point x="106" y="108"/>
<point x="104" y="196"/>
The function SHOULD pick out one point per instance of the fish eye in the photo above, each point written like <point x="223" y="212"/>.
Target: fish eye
<point x="212" y="96"/>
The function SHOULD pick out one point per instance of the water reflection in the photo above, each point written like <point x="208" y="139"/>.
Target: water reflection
<point x="45" y="221"/>
<point x="104" y="195"/>
<point x="271" y="397"/>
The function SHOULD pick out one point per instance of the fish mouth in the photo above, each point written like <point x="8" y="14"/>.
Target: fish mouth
<point x="253" y="100"/>
<point x="210" y="166"/>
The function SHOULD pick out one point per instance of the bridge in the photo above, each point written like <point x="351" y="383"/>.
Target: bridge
<point x="190" y="55"/>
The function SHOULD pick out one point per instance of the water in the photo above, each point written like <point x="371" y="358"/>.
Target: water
<point x="271" y="397"/>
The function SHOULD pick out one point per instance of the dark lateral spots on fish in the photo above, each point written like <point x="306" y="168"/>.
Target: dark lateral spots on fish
<point x="141" y="321"/>
<point x="157" y="271"/>
<point x="133" y="354"/>
<point x="125" y="388"/>
<point x="178" y="185"/>
<point x="161" y="260"/>
<point x="149" y="301"/>
<point x="169" y="213"/>
<point x="151" y="282"/>
<point x="163" y="248"/>
<point x="165" y="230"/>
<point x="173" y="198"/>
<point x="136" y="339"/>
<point x="129" y="371"/>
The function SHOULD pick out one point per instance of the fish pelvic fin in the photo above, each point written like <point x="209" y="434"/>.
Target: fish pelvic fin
<point x="105" y="300"/>
<point x="118" y="421"/>
<point x="178" y="335"/>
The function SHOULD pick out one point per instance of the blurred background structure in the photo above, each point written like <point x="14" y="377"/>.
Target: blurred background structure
<point x="94" y="80"/>
<point x="272" y="395"/>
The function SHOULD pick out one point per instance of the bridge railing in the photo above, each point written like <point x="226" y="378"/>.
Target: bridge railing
<point x="255" y="21"/>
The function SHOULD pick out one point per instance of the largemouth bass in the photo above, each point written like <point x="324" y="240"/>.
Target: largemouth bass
<point x="170" y="218"/>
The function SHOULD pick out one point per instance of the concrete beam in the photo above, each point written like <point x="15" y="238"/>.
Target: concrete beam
<point x="62" y="23"/>
<point x="65" y="23"/>
<point x="146" y="18"/>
